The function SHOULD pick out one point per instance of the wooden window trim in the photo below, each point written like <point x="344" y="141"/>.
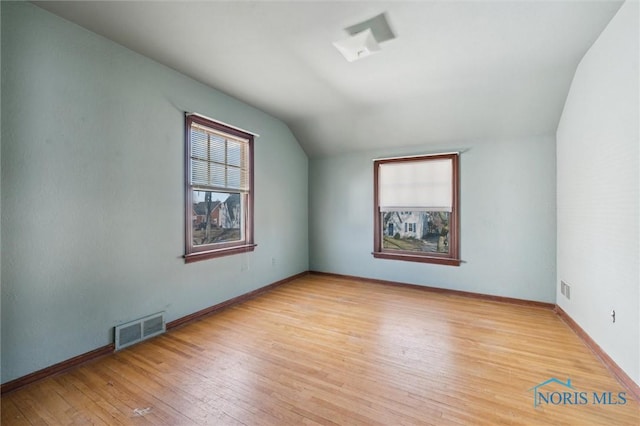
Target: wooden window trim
<point x="452" y="259"/>
<point x="212" y="254"/>
<point x="194" y="254"/>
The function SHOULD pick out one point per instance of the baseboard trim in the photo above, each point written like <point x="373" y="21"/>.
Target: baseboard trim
<point x="234" y="301"/>
<point x="608" y="362"/>
<point x="108" y="349"/>
<point x="56" y="368"/>
<point x="480" y="296"/>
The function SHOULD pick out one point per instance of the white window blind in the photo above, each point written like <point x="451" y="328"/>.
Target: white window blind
<point x="218" y="160"/>
<point x="416" y="185"/>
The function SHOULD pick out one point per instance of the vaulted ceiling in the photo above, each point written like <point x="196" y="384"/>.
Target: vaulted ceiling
<point x="456" y="71"/>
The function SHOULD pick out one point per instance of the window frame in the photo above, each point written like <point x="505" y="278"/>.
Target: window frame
<point x="453" y="257"/>
<point x="210" y="251"/>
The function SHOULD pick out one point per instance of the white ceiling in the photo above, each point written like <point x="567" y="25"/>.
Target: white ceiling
<point x="456" y="71"/>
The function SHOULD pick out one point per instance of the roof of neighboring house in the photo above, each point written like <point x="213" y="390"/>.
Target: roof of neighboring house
<point x="201" y="207"/>
<point x="396" y="214"/>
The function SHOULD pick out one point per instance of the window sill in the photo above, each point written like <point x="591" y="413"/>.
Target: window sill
<point x="211" y="254"/>
<point x="417" y="258"/>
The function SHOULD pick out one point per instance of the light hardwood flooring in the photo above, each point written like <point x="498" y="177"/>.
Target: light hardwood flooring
<point x="324" y="350"/>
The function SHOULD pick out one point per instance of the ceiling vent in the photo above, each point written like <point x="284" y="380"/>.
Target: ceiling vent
<point x="365" y="38"/>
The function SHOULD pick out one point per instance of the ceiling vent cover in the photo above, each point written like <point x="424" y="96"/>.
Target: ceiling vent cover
<point x="136" y="331"/>
<point x="365" y="38"/>
<point x="379" y="26"/>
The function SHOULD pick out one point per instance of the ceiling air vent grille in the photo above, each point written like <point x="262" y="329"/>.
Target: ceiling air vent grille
<point x="136" y="331"/>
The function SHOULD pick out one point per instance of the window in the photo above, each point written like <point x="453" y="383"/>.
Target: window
<point x="219" y="190"/>
<point x="416" y="209"/>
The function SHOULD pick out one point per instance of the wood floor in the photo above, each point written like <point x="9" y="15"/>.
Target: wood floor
<point x="323" y="350"/>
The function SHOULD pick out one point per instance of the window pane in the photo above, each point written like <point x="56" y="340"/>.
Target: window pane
<point x="199" y="172"/>
<point x="234" y="153"/>
<point x="216" y="217"/>
<point x="218" y="175"/>
<point x="199" y="144"/>
<point x="233" y="178"/>
<point x="419" y="231"/>
<point x="217" y="149"/>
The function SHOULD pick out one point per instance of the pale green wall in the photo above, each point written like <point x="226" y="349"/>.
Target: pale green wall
<point x="92" y="192"/>
<point x="508" y="224"/>
<point x="598" y="192"/>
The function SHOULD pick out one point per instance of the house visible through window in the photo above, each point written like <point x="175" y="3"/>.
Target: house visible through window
<point x="416" y="209"/>
<point x="219" y="186"/>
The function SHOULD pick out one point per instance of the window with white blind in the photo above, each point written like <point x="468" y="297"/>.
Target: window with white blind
<point x="416" y="209"/>
<point x="219" y="189"/>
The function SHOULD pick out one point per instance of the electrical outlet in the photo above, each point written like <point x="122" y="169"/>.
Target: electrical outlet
<point x="273" y="261"/>
<point x="613" y="315"/>
<point x="565" y="289"/>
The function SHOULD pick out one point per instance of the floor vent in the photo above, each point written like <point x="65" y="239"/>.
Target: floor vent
<point x="139" y="330"/>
